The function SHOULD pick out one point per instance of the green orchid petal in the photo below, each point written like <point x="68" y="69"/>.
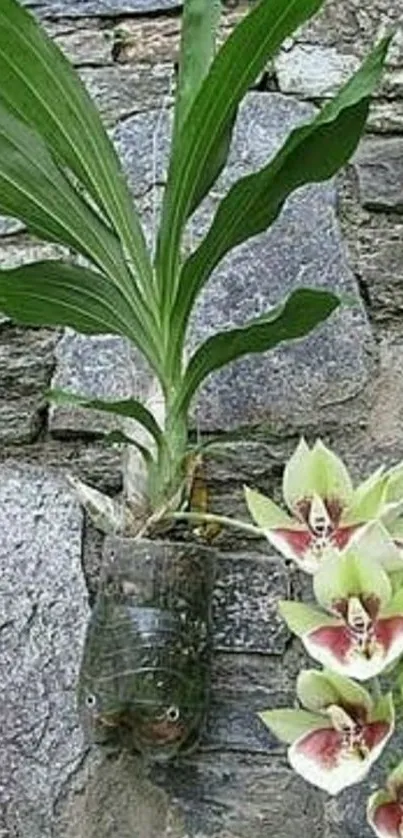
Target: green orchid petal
<point x="301" y="618"/>
<point x="394" y="782"/>
<point x="289" y="725"/>
<point x="265" y="512"/>
<point x="368" y="499"/>
<point x="330" y="475"/>
<point x="375" y="542"/>
<point x="384" y="710"/>
<point x="393" y="524"/>
<point x="296" y="475"/>
<point x="351" y="574"/>
<point x="394" y="490"/>
<point x="316" y="472"/>
<point x="318" y="690"/>
<point x="395" y="606"/>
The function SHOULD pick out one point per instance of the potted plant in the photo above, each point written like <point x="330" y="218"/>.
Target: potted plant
<point x="59" y="174"/>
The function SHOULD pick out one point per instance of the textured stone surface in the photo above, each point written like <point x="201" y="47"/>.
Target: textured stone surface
<point x="386" y="117"/>
<point x="313" y="71"/>
<point x="245" y="615"/>
<point x="380" y="245"/>
<point x="43" y="612"/>
<point x="112" y="797"/>
<point x="101" y="8"/>
<point x="379" y="165"/>
<point x="122" y="91"/>
<point x="92" y="366"/>
<point x="249" y="798"/>
<point x="26" y="364"/>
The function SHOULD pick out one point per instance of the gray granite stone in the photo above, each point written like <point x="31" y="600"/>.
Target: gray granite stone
<point x="100" y="8"/>
<point x="99" y="366"/>
<point x="313" y="71"/>
<point x="43" y="613"/>
<point x="380" y="263"/>
<point x="249" y="798"/>
<point x="26" y="364"/>
<point x="386" y="117"/>
<point x="245" y="616"/>
<point x="379" y="164"/>
<point x="121" y="91"/>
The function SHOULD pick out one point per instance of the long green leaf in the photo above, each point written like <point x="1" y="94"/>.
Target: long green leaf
<point x="57" y="294"/>
<point x="312" y="153"/>
<point x="34" y="189"/>
<point x="200" y="20"/>
<point x="294" y="318"/>
<point x="118" y="437"/>
<point x="235" y="68"/>
<point x="40" y="86"/>
<point x="129" y="408"/>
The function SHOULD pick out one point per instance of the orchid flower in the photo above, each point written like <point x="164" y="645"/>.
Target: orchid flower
<point x="326" y="510"/>
<point x="341" y="733"/>
<point x="385" y="807"/>
<point x="358" y="631"/>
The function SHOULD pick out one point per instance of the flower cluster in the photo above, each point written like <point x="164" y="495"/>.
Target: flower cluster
<point x="351" y="542"/>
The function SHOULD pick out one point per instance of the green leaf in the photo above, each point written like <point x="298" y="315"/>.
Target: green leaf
<point x="302" y="618"/>
<point x="59" y="294"/>
<point x="41" y="87"/>
<point x="200" y="20"/>
<point x="292" y="319"/>
<point x="130" y="408"/>
<point x="118" y="437"/>
<point x="34" y="189"/>
<point x="312" y="153"/>
<point x="289" y="725"/>
<point x="265" y="512"/>
<point x="238" y="63"/>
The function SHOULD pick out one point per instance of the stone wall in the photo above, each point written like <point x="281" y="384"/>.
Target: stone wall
<point x="345" y="383"/>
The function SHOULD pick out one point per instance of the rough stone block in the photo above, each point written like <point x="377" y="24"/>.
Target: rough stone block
<point x="253" y="798"/>
<point x="242" y="686"/>
<point x="313" y="71"/>
<point x="204" y="797"/>
<point x="379" y="164"/>
<point x="380" y="248"/>
<point x="83" y="44"/>
<point x="245" y="616"/>
<point x="26" y="364"/>
<point x="121" y="91"/>
<point x="386" y="117"/>
<point x="43" y="613"/>
<point x="99" y="8"/>
<point x="92" y="366"/>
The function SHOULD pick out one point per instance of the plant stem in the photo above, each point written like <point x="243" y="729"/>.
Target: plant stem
<point x="207" y="518"/>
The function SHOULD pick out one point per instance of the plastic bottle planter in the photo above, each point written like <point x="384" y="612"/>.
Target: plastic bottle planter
<point x="145" y="673"/>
